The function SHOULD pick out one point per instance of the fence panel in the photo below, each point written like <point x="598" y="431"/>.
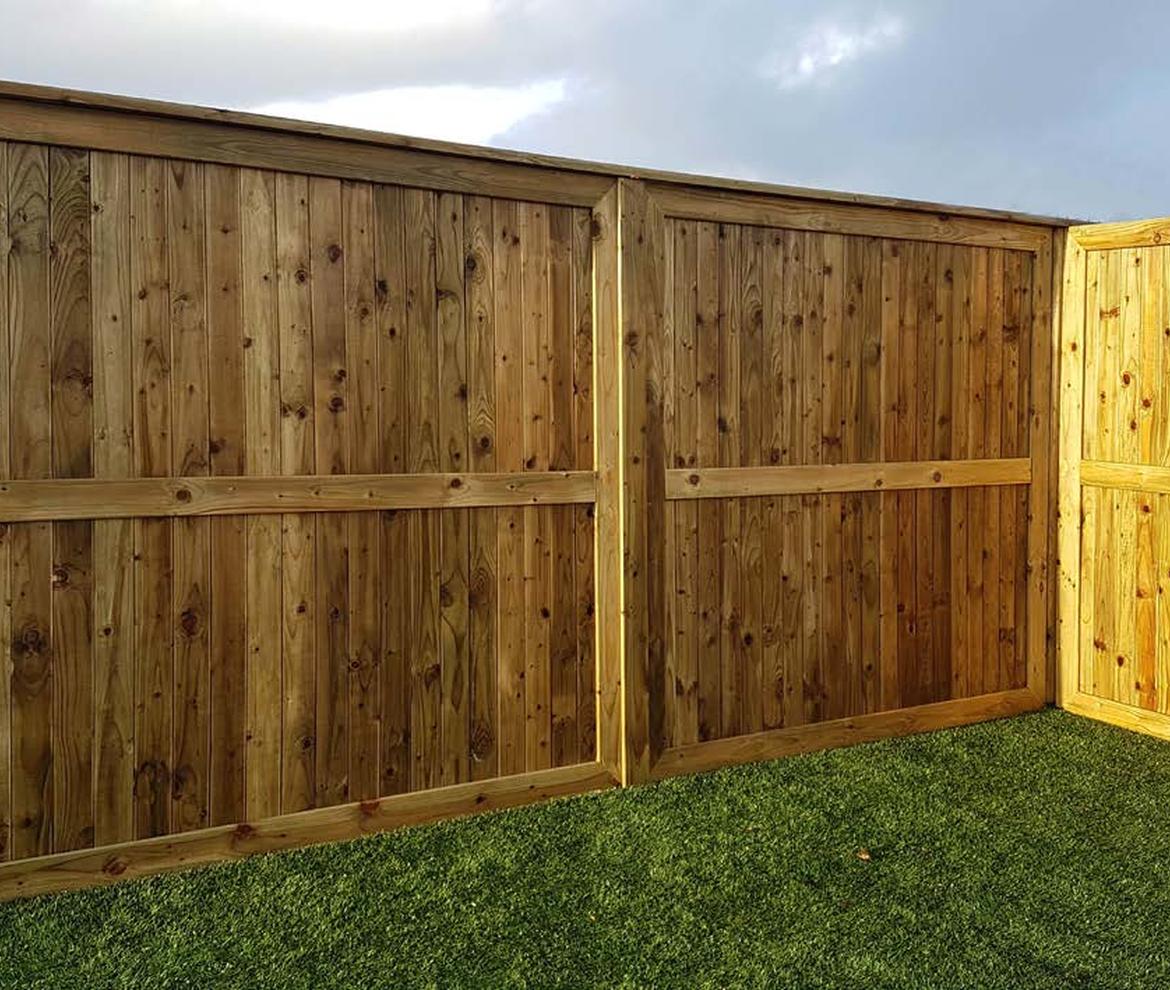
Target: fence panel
<point x="349" y="481"/>
<point x="854" y="448"/>
<point x="301" y="512"/>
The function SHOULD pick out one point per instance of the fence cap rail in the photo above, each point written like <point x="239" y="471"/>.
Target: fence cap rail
<point x="27" y="92"/>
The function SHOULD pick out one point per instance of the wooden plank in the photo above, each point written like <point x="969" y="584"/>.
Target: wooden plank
<point x="961" y="329"/>
<point x="831" y="589"/>
<point x="269" y="148"/>
<point x="480" y="312"/>
<point x="1116" y="713"/>
<point x="869" y="447"/>
<point x="348" y="821"/>
<point x="537" y="413"/>
<point x="977" y="447"/>
<point x="113" y="541"/>
<point x="754" y="416"/>
<point x="228" y="537"/>
<point x="1011" y="418"/>
<point x="922" y="685"/>
<point x="152" y="579"/>
<point x="29" y="382"/>
<point x="562" y="332"/>
<point x="422" y="440"/>
<point x="832" y="218"/>
<point x="1068" y="550"/>
<point x="454" y="536"/>
<point x="298" y="532"/>
<point x="6" y="638"/>
<point x="1134" y="477"/>
<point x="394" y="765"/>
<point x="1162" y="610"/>
<point x="642" y="297"/>
<point x="40" y="95"/>
<point x="891" y="290"/>
<point x="816" y="478"/>
<point x="1144" y="689"/>
<point x="33" y="818"/>
<point x="364" y="529"/>
<point x="390" y="314"/>
<point x="71" y="364"/>
<point x="262" y="576"/>
<point x="941" y="503"/>
<point x="423" y="643"/>
<point x="331" y="396"/>
<point x="685" y="593"/>
<point x="190" y="450"/>
<point x="1083" y="678"/>
<point x="731" y="653"/>
<point x="992" y="439"/>
<point x="509" y="446"/>
<point x="584" y="449"/>
<point x="1041" y="408"/>
<point x="812" y="554"/>
<point x="609" y="618"/>
<point x="775" y="743"/>
<point x="778" y="397"/>
<point x="29" y="500"/>
<point x="710" y="536"/>
<point x="852" y="370"/>
<point x="791" y="453"/>
<point x="1125" y="234"/>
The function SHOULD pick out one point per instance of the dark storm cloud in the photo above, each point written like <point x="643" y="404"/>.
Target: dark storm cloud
<point x="1034" y="106"/>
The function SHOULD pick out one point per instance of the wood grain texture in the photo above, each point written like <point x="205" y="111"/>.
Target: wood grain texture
<point x="877" y="402"/>
<point x="318" y="490"/>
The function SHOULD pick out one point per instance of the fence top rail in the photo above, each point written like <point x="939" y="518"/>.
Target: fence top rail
<point x="32" y="94"/>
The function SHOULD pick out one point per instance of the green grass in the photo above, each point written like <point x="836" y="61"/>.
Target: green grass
<point x="1033" y="852"/>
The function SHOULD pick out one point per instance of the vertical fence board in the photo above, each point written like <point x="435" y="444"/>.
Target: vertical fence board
<point x="228" y="560"/>
<point x="263" y="577"/>
<point x="113" y="539"/>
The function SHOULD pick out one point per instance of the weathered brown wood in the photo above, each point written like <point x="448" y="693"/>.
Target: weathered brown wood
<point x="227" y="634"/>
<point x="607" y="418"/>
<point x="71" y="357"/>
<point x="113" y="541"/>
<point x="642" y="452"/>
<point x="36" y="97"/>
<point x="30" y="501"/>
<point x="725" y="206"/>
<point x="126" y="861"/>
<point x="263" y="575"/>
<point x="748" y="482"/>
<point x="319" y="489"/>
<point x="774" y="743"/>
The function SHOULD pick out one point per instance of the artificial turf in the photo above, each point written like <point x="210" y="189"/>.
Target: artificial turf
<point x="1032" y="852"/>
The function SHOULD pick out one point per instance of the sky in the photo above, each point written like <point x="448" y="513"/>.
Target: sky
<point x="1034" y="105"/>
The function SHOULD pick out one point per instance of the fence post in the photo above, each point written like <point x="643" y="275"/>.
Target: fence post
<point x="641" y="239"/>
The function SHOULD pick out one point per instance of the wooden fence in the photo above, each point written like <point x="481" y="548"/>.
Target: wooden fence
<point x="349" y="481"/>
<point x="1115" y="453"/>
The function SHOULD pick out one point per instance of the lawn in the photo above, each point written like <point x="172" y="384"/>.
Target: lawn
<point x="1032" y="852"/>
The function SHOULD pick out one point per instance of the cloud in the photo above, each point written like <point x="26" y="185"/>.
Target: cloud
<point x="825" y="48"/>
<point x="345" y="16"/>
<point x="471" y="114"/>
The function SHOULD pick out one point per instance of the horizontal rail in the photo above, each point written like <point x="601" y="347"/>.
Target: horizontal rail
<point x="1138" y="477"/>
<point x="1117" y="713"/>
<point x="129" y="860"/>
<point x="1124" y="234"/>
<point x="812" y="479"/>
<point x="155" y="109"/>
<point x="283" y="151"/>
<point x="774" y="743"/>
<point x="723" y="206"/>
<point x="94" y="498"/>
